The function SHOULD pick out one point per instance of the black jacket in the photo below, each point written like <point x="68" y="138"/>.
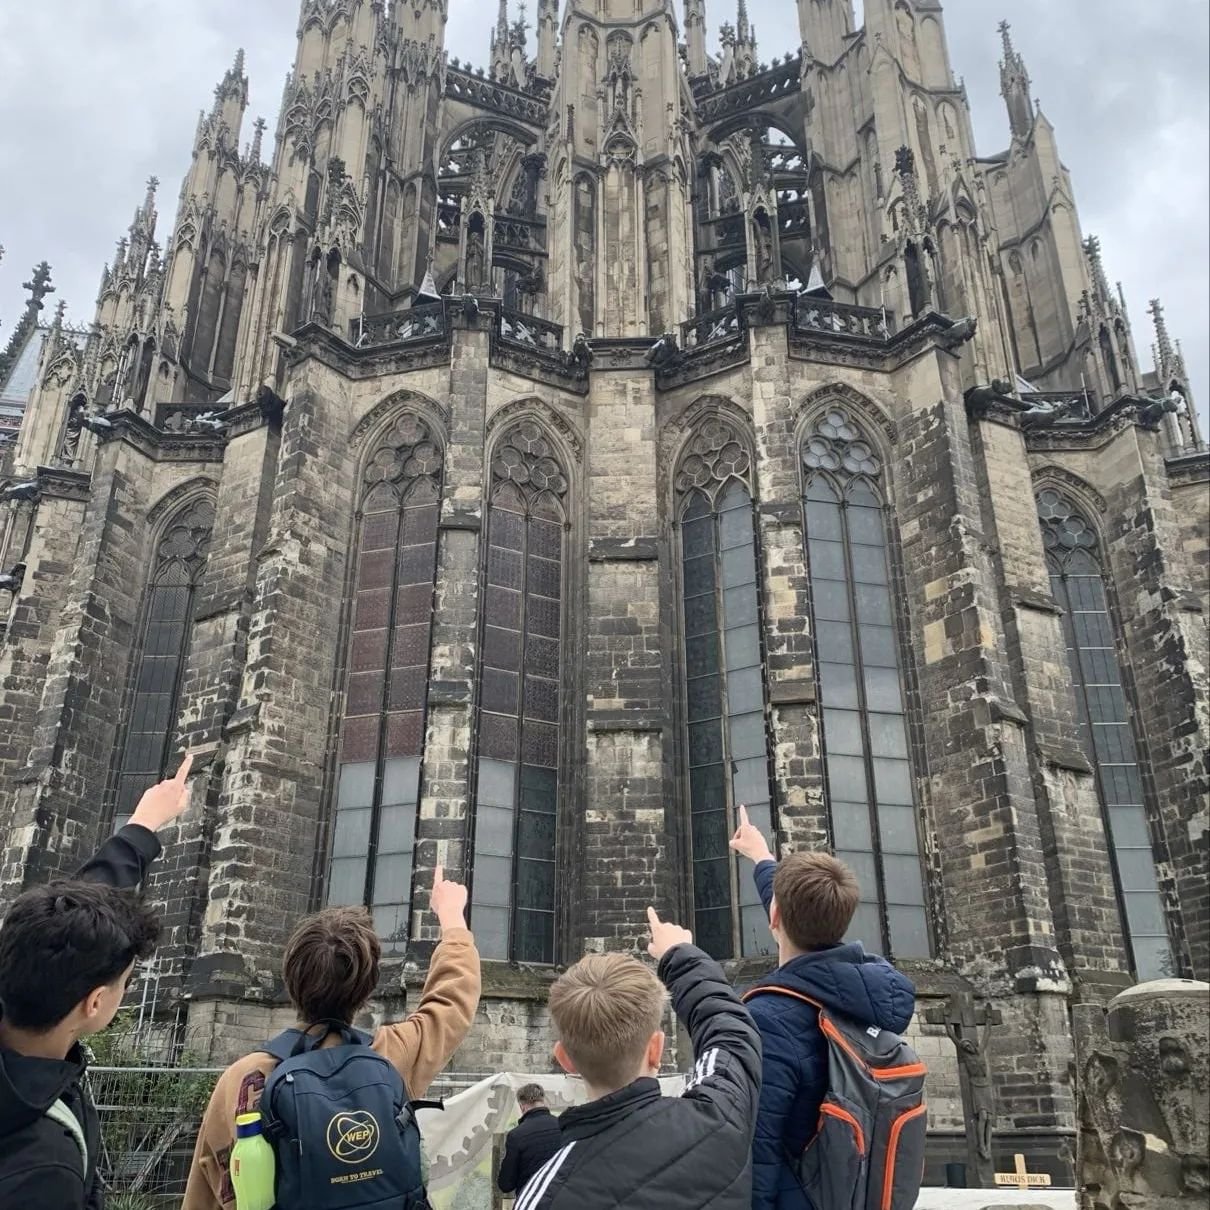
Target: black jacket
<point x="40" y="1166"/>
<point x="530" y="1144"/>
<point x="638" y="1150"/>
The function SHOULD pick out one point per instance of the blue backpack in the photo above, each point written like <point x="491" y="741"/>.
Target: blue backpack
<point x="342" y="1127"/>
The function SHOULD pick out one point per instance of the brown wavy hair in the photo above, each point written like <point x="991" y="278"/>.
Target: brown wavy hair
<point x="331" y="965"/>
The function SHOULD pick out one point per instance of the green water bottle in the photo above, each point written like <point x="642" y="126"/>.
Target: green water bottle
<point x="253" y="1167"/>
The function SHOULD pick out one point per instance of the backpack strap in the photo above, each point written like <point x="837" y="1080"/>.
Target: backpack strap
<point x="769" y="990"/>
<point x="62" y="1116"/>
<point x="294" y="1042"/>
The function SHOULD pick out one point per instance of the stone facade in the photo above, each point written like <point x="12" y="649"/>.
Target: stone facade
<point x="577" y="335"/>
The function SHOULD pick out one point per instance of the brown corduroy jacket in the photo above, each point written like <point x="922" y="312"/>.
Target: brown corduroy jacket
<point x="419" y="1048"/>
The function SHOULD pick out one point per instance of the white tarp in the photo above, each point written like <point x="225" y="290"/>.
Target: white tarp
<point x="463" y="1146"/>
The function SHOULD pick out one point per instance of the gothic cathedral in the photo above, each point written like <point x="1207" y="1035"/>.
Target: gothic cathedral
<point x="522" y="467"/>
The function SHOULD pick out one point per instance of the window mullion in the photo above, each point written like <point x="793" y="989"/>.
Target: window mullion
<point x="521" y="638"/>
<point x="1080" y="685"/>
<point x="863" y="721"/>
<point x="383" y="723"/>
<point x="720" y="620"/>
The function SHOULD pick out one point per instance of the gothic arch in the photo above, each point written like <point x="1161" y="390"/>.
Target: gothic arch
<point x="376" y="421"/>
<point x="761" y="120"/>
<point x="1086" y="496"/>
<point x="678" y="432"/>
<point x="873" y="413"/>
<point x="565" y="434"/>
<point x="513" y="130"/>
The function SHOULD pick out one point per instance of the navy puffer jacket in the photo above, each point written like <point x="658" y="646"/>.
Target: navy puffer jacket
<point x="849" y="982"/>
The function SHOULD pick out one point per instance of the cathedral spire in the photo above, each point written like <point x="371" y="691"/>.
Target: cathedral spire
<point x="1096" y="267"/>
<point x="695" y="37"/>
<point x="745" y="42"/>
<point x="548" y="37"/>
<point x="39" y="288"/>
<point x="1169" y="363"/>
<point x="501" y="55"/>
<point x="233" y="86"/>
<point x="1015" y="85"/>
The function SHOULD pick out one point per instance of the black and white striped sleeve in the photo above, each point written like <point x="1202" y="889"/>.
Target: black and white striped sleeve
<point x="544" y="1181"/>
<point x="726" y="1043"/>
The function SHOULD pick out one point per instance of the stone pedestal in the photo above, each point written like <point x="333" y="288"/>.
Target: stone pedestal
<point x="1143" y="1066"/>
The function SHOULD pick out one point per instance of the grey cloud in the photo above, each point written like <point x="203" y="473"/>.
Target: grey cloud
<point x="95" y="98"/>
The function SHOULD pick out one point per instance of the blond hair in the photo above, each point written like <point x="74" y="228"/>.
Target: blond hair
<point x="605" y="1009"/>
<point x="817" y="896"/>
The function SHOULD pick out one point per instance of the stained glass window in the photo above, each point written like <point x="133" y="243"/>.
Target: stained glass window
<point x="147" y="749"/>
<point x="870" y="782"/>
<point x="513" y="892"/>
<point x="1077" y="581"/>
<point x="726" y="740"/>
<point x="386" y="685"/>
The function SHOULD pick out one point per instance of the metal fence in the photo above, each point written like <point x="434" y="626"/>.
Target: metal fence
<point x="149" y="1122"/>
<point x="150" y="1117"/>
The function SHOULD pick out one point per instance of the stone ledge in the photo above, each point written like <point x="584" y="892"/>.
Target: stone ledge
<point x="243" y="719"/>
<point x="792" y="693"/>
<point x="450" y="693"/>
<point x="623" y="550"/>
<point x="1028" y="598"/>
<point x="607" y="721"/>
<point x="460" y="520"/>
<point x="1059" y="757"/>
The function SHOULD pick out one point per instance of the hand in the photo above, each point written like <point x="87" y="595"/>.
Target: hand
<point x="665" y="935"/>
<point x="448" y="901"/>
<point x="748" y="841"/>
<point x="160" y="805"/>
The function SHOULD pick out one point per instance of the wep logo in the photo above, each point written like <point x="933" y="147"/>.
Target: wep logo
<point x="353" y="1137"/>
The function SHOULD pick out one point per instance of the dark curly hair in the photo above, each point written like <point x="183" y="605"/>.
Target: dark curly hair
<point x="62" y="941"/>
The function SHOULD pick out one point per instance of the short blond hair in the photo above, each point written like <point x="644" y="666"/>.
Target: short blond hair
<point x="605" y="1009"/>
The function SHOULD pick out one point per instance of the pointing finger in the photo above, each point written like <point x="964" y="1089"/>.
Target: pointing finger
<point x="438" y="875"/>
<point x="743" y="816"/>
<point x="653" y="918"/>
<point x="182" y="773"/>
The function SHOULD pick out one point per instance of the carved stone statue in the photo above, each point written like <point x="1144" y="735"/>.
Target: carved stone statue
<point x="1142" y="1070"/>
<point x="474" y="259"/>
<point x="1045" y="414"/>
<point x="969" y="1028"/>
<point x="762" y="234"/>
<point x="69" y="450"/>
<point x="321" y="308"/>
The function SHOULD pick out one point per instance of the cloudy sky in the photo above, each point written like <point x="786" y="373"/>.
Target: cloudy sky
<point x="96" y="97"/>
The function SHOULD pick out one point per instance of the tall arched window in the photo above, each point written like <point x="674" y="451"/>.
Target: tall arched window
<point x="871" y="795"/>
<point x="726" y="740"/>
<point x="180" y="560"/>
<point x="1077" y="580"/>
<point x="520" y="699"/>
<point x="387" y="672"/>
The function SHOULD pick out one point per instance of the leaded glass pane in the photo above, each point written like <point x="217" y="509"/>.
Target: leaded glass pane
<point x="347" y="881"/>
<point x="725" y="707"/>
<point x="1078" y="585"/>
<point x="147" y="748"/>
<point x="382" y="734"/>
<point x="909" y="931"/>
<point x="513" y="887"/>
<point x="860" y="683"/>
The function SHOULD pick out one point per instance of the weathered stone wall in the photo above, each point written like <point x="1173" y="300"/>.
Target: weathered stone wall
<point x="1143" y="1069"/>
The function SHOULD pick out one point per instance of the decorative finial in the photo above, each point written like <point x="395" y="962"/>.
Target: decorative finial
<point x="257" y="138"/>
<point x="39" y="286"/>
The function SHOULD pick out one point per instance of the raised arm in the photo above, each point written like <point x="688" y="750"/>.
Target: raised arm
<point x="124" y="859"/>
<point x="726" y="1044"/>
<point x="423" y="1044"/>
<point x="750" y="842"/>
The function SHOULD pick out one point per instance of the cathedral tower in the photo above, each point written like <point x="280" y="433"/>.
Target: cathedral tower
<point x="517" y="467"/>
